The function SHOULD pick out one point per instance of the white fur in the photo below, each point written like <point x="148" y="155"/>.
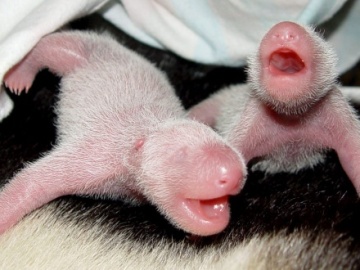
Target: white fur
<point x="52" y="239"/>
<point x="236" y="107"/>
<point x="122" y="131"/>
<point x="232" y="102"/>
<point x="325" y="59"/>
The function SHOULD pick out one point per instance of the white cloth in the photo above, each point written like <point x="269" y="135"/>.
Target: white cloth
<point x="220" y="32"/>
<point x="225" y="32"/>
<point x="24" y="22"/>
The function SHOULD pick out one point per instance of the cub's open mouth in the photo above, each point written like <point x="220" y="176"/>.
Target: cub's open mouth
<point x="285" y="61"/>
<point x="210" y="209"/>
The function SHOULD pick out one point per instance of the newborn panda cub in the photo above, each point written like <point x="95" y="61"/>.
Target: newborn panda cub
<point x="122" y="133"/>
<point x="291" y="110"/>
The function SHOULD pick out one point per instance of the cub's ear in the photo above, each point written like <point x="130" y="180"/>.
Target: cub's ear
<point x="139" y="144"/>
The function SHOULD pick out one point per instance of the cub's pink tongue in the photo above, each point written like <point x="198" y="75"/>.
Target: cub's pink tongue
<point x="215" y="208"/>
<point x="286" y="61"/>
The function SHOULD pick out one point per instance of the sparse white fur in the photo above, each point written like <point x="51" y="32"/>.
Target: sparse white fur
<point x="325" y="58"/>
<point x="288" y="136"/>
<point x="122" y="132"/>
<point x="232" y="103"/>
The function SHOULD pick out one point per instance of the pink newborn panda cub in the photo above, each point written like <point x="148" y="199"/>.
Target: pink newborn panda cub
<point x="122" y="133"/>
<point x="291" y="110"/>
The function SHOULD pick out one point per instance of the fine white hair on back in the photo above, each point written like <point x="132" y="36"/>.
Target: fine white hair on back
<point x="186" y="129"/>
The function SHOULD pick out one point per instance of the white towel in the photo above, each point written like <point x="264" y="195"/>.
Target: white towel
<point x="220" y="32"/>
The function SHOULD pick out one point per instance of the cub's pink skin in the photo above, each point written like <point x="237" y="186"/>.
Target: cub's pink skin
<point x="122" y="132"/>
<point x="291" y="110"/>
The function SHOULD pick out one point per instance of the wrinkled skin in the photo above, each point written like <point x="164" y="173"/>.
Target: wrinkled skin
<point x="122" y="132"/>
<point x="291" y="110"/>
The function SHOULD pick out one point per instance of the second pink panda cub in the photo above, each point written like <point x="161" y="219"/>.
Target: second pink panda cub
<point x="291" y="110"/>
